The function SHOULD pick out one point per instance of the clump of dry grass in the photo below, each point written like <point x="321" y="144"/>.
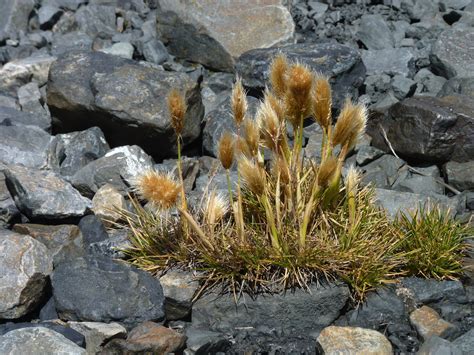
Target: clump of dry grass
<point x="290" y="221"/>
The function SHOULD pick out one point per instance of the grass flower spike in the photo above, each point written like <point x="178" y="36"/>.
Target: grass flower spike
<point x="177" y="110"/>
<point x="239" y="102"/>
<point x="158" y="188"/>
<point x="226" y="150"/>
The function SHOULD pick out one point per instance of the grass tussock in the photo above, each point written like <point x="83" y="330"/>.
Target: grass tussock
<point x="291" y="220"/>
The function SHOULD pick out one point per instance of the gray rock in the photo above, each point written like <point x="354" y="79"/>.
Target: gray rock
<point x="453" y="53"/>
<point x="11" y="116"/>
<point x="374" y="32"/>
<point x="104" y="203"/>
<point x="121" y="49"/>
<point x="68" y="4"/>
<point x="15" y="14"/>
<point x="93" y="230"/>
<point x="44" y="195"/>
<point x="465" y="343"/>
<point x="463" y="86"/>
<point x="419" y="184"/>
<point x="96" y="19"/>
<point x="9" y="213"/>
<point x="118" y="167"/>
<point x="10" y="102"/>
<point x="32" y="340"/>
<point x="455" y="4"/>
<point x="202" y="341"/>
<point x="431" y="84"/>
<point x="342" y="64"/>
<point x="113" y="246"/>
<point x="420" y="9"/>
<point x="435" y="345"/>
<point x="215" y="44"/>
<point x="97" y="334"/>
<point x="323" y="302"/>
<point x="426" y="291"/>
<point x="460" y="175"/>
<point x="110" y="291"/>
<point x="70" y="152"/>
<point x="125" y="99"/>
<point x="396" y="61"/>
<point x="427" y="322"/>
<point x="403" y="87"/>
<point x="397" y="201"/>
<point x="24" y="145"/>
<point x="63" y="43"/>
<point x="385" y="102"/>
<point x="377" y="85"/>
<point x="48" y="15"/>
<point x="155" y="51"/>
<point x="367" y="154"/>
<point x="189" y="168"/>
<point x="427" y="129"/>
<point x="25" y="265"/>
<point x="382" y="172"/>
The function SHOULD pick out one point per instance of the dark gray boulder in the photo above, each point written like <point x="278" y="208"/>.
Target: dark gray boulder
<point x="463" y="86"/>
<point x="460" y="175"/>
<point x="109" y="291"/>
<point x="11" y="116"/>
<point x="125" y="99"/>
<point x="9" y="213"/>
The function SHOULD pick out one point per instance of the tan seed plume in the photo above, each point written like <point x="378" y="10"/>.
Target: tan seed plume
<point x="350" y="124"/>
<point x="252" y="136"/>
<point x="239" y="102"/>
<point x="177" y="109"/>
<point x="326" y="171"/>
<point x="298" y="95"/>
<point x="270" y="126"/>
<point x="278" y="72"/>
<point x="253" y="175"/>
<point x="215" y="208"/>
<point x="322" y="102"/>
<point x="160" y="189"/>
<point x="226" y="150"/>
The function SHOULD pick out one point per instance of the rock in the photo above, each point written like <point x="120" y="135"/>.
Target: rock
<point x="150" y="338"/>
<point x="221" y="120"/>
<point x="9" y="213"/>
<point x="374" y="32"/>
<point x="92" y="229"/>
<point x="465" y="342"/>
<point x="202" y="341"/>
<point x="48" y="15"/>
<point x="419" y="184"/>
<point x="367" y="154"/>
<point x="98" y="334"/>
<point x="463" y="86"/>
<point x="15" y="15"/>
<point x="396" y="61"/>
<point x="72" y="151"/>
<point x="398" y="201"/>
<point x="119" y="167"/>
<point x="105" y="200"/>
<point x="403" y="87"/>
<point x="221" y="313"/>
<point x="121" y="49"/>
<point x="215" y="44"/>
<point x="342" y="64"/>
<point x="30" y="340"/>
<point x="452" y="54"/>
<point x="63" y="43"/>
<point x="63" y="241"/>
<point x="113" y="246"/>
<point x="110" y="291"/>
<point x="431" y="84"/>
<point x="435" y="345"/>
<point x="427" y="291"/>
<point x="377" y="85"/>
<point x="40" y="194"/>
<point x="179" y="288"/>
<point x="10" y="102"/>
<point x="336" y="340"/>
<point x="155" y="51"/>
<point x="427" y="322"/>
<point x="427" y="129"/>
<point x="125" y="99"/>
<point x="420" y="9"/>
<point x="455" y="4"/>
<point x="189" y="167"/>
<point x="385" y="102"/>
<point x="459" y="175"/>
<point x="48" y="311"/>
<point x="382" y="172"/>
<point x="24" y="145"/>
<point x="96" y="19"/>
<point x="29" y="97"/>
<point x="25" y="265"/>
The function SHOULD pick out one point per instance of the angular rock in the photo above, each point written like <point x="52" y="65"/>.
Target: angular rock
<point x="63" y="43"/>
<point x="98" y="334"/>
<point x="119" y="167"/>
<point x="72" y="151"/>
<point x="25" y="265"/>
<point x="367" y="154"/>
<point x="155" y="51"/>
<point x="427" y="322"/>
<point x="460" y="175"/>
<point x="335" y="340"/>
<point x="24" y="145"/>
<point x="189" y="167"/>
<point x="463" y="86"/>
<point x="63" y="241"/>
<point x="125" y="99"/>
<point x="92" y="229"/>
<point x="202" y="341"/>
<point x="15" y="14"/>
<point x="221" y="313"/>
<point x="374" y="32"/>
<point x="403" y="87"/>
<point x="41" y="194"/>
<point x="149" y="338"/>
<point x="396" y="61"/>
<point x="110" y="291"/>
<point x="435" y="345"/>
<point x="105" y="200"/>
<point x="113" y="246"/>
<point x="465" y="342"/>
<point x="9" y="213"/>
<point x="418" y="184"/>
<point x="30" y="340"/>
<point x="48" y="311"/>
<point x="96" y="19"/>
<point x="453" y="53"/>
<point x="48" y="15"/>
<point x="426" y="291"/>
<point x="427" y="129"/>
<point x="214" y="29"/>
<point x="431" y="84"/>
<point x="382" y="172"/>
<point x="29" y="97"/>
<point x="121" y="49"/>
<point x="342" y="64"/>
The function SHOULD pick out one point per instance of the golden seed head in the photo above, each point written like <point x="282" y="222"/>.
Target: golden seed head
<point x="177" y="109"/>
<point x="160" y="189"/>
<point x="253" y="175"/>
<point x="270" y="126"/>
<point x="359" y="125"/>
<point x="352" y="179"/>
<point x="278" y="71"/>
<point x="276" y="104"/>
<point x="252" y="136"/>
<point x="216" y="206"/>
<point x="322" y="102"/>
<point x="298" y="95"/>
<point x="280" y="166"/>
<point x="326" y="171"/>
<point x="239" y="102"/>
<point x="242" y="148"/>
<point x="350" y="124"/>
<point x="226" y="150"/>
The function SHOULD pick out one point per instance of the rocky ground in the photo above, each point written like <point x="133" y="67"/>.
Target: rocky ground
<point x="83" y="112"/>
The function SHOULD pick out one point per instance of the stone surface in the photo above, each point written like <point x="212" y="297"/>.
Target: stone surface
<point x="25" y="265"/>
<point x="382" y="172"/>
<point x="149" y="338"/>
<point x="460" y="175"/>
<point x="64" y="43"/>
<point x="113" y="246"/>
<point x="465" y="342"/>
<point x="96" y="19"/>
<point x="374" y="32"/>
<point x="110" y="291"/>
<point x="118" y="167"/>
<point x="98" y="334"/>
<point x="31" y="340"/>
<point x="41" y="194"/>
<point x="367" y="154"/>
<point x="121" y="49"/>
<point x="396" y="61"/>
<point x="9" y="213"/>
<point x="214" y="29"/>
<point x="92" y="229"/>
<point x="125" y="99"/>
<point x="435" y="345"/>
<point x="105" y="200"/>
<point x="427" y="291"/>
<point x="15" y="14"/>
<point x="201" y="341"/>
<point x="427" y="129"/>
<point x="336" y="340"/>
<point x="24" y="145"/>
<point x="342" y="64"/>
<point x="427" y="322"/>
<point x="452" y="54"/>
<point x="189" y="167"/>
<point x="463" y="86"/>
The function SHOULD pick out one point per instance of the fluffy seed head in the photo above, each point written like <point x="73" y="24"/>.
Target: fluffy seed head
<point x="326" y="171"/>
<point x="252" y="135"/>
<point x="177" y="110"/>
<point x="352" y="179"/>
<point x="278" y="71"/>
<point x="298" y="95"/>
<point x="322" y="101"/>
<point x="226" y="150"/>
<point x="253" y="176"/>
<point x="270" y="126"/>
<point x="239" y="102"/>
<point x="158" y="188"/>
<point x="359" y="125"/>
<point x="216" y="206"/>
<point x="277" y="104"/>
<point x="280" y="166"/>
<point x="350" y="124"/>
